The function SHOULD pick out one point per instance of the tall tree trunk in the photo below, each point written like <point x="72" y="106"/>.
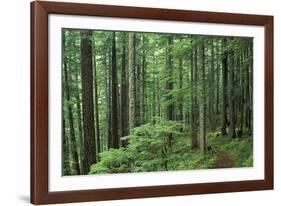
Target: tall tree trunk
<point x="224" y="86"/>
<point x="124" y="93"/>
<point x="96" y="98"/>
<point x="154" y="95"/>
<point x="72" y="146"/>
<point x="217" y="77"/>
<point x="242" y="99"/>
<point x="192" y="103"/>
<point x="108" y="92"/>
<point x="158" y="97"/>
<point x="231" y="97"/>
<point x="87" y="100"/>
<point x="132" y="83"/>
<point x="138" y="94"/>
<point x="143" y="78"/>
<point x="79" y="122"/>
<point x="202" y="115"/>
<point x="114" y="102"/>
<point x="169" y="84"/>
<point x="180" y="87"/>
<point x="196" y="93"/>
<point x="211" y="88"/>
<point x="251" y="88"/>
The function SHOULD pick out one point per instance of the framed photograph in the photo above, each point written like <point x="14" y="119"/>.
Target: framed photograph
<point x="131" y="102"/>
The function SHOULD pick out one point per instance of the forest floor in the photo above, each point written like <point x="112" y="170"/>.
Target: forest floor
<point x="145" y="155"/>
<point x="222" y="152"/>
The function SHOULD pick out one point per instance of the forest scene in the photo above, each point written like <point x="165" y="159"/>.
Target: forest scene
<point x="148" y="102"/>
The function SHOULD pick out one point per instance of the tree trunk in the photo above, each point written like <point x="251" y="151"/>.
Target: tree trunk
<point x="132" y="83"/>
<point x="202" y="116"/>
<point x="192" y="103"/>
<point x="224" y="86"/>
<point x="180" y="87"/>
<point x="211" y="88"/>
<point x="143" y="72"/>
<point x="96" y="98"/>
<point x="124" y="94"/>
<point x="108" y="98"/>
<point x="231" y="97"/>
<point x="138" y="94"/>
<point x="251" y="88"/>
<point x="114" y="102"/>
<point x="87" y="100"/>
<point x="217" y="78"/>
<point x="169" y="84"/>
<point x="196" y="93"/>
<point x="72" y="147"/>
<point x="158" y="97"/>
<point x="242" y="99"/>
<point x="79" y="122"/>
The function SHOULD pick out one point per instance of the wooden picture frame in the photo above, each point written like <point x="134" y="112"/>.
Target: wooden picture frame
<point x="40" y="107"/>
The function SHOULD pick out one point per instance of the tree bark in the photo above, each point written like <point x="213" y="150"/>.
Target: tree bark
<point x="96" y="98"/>
<point x="72" y="146"/>
<point x="79" y="122"/>
<point x="87" y="100"/>
<point x="132" y="83"/>
<point x="192" y="103"/>
<point x="143" y="78"/>
<point x="217" y="78"/>
<point x="224" y="86"/>
<point x="114" y="102"/>
<point x="202" y="115"/>
<point x="180" y="87"/>
<point x="231" y="97"/>
<point x="124" y="93"/>
<point x="108" y="98"/>
<point x="242" y="99"/>
<point x="211" y="88"/>
<point x="251" y="88"/>
<point x="169" y="84"/>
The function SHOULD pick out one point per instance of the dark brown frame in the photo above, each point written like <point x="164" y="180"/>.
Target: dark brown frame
<point x="39" y="102"/>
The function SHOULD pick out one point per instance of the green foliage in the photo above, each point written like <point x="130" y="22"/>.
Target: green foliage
<point x="148" y="151"/>
<point x="112" y="161"/>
